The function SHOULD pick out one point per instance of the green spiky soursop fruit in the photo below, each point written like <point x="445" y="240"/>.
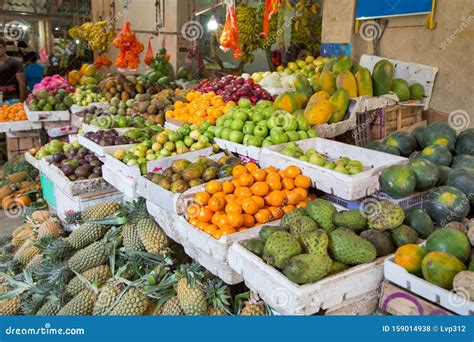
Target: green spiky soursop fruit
<point x="315" y="242"/>
<point x="337" y="267"/>
<point x="352" y="219"/>
<point x="302" y="225"/>
<point x="349" y="248"/>
<point x="254" y="245"/>
<point x="307" y="268"/>
<point x="287" y="220"/>
<point x="382" y="241"/>
<point x="266" y="231"/>
<point x="386" y="216"/>
<point x="322" y="212"/>
<point x="279" y="248"/>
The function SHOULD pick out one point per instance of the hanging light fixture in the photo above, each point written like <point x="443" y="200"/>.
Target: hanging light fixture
<point x="212" y="23"/>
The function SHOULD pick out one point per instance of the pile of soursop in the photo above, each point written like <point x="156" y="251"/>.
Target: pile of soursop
<point x="313" y="242"/>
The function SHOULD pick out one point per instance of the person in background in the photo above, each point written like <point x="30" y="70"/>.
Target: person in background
<point x="12" y="82"/>
<point x="33" y="71"/>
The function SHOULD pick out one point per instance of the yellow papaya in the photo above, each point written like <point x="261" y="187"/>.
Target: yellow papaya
<point x="340" y="101"/>
<point x="327" y="82"/>
<point x="73" y="77"/>
<point x="287" y="101"/>
<point x="345" y="80"/>
<point x="317" y="96"/>
<point x="364" y="82"/>
<point x="302" y="85"/>
<point x="343" y="63"/>
<point x="302" y="98"/>
<point x="319" y="112"/>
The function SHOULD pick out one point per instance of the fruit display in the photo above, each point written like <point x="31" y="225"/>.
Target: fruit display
<point x="125" y="88"/>
<point x="343" y="165"/>
<point x="260" y="125"/>
<point x="50" y="101"/>
<point x="97" y="35"/>
<point x="14" y="112"/>
<point x="233" y="88"/>
<point x="184" y="174"/>
<point x="248" y="32"/>
<point x="85" y="95"/>
<point x="86" y="75"/>
<point x="160" y="69"/>
<point x="166" y="143"/>
<point x="253" y="197"/>
<point x="78" y="164"/>
<point x="274" y="79"/>
<point x="197" y="108"/>
<point x="100" y="118"/>
<point x="52" y="84"/>
<point x="130" y="48"/>
<point x="54" y="147"/>
<point x="109" y="137"/>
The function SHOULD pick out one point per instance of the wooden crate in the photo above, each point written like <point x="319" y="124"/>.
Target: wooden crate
<point x="396" y="118"/>
<point x="20" y="142"/>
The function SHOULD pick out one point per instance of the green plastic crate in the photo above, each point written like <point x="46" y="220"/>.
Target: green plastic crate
<point x="47" y="187"/>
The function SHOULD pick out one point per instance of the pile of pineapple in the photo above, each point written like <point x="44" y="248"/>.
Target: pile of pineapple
<point x="117" y="262"/>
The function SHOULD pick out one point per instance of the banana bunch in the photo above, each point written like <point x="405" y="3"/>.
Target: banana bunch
<point x="97" y="35"/>
<point x="270" y="39"/>
<point x="306" y="28"/>
<point x="248" y="32"/>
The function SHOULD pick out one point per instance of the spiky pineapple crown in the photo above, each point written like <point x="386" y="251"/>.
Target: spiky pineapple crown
<point x="193" y="273"/>
<point x="136" y="210"/>
<point x="217" y="293"/>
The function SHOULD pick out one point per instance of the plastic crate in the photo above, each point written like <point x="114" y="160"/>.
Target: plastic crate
<point x="343" y="202"/>
<point x="415" y="200"/>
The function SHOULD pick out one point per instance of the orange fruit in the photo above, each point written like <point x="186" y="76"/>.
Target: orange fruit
<point x="217" y="234"/>
<point x="202" y="225"/>
<point x="288" y="183"/>
<point x="243" y="192"/>
<point x="216" y="217"/>
<point x="216" y="203"/>
<point x="233" y="207"/>
<point x="213" y="186"/>
<point x="259" y="201"/>
<point x="273" y="176"/>
<point x="275" y="198"/>
<point x="205" y="215"/>
<point x="249" y="221"/>
<point x="288" y="208"/>
<point x="238" y="170"/>
<point x="202" y="198"/>
<point x="274" y="184"/>
<point x="235" y="219"/>
<point x="249" y="206"/>
<point x="246" y="179"/>
<point x="302" y="204"/>
<point x="210" y="229"/>
<point x="259" y="175"/>
<point x="292" y="171"/>
<point x="227" y="229"/>
<point x="293" y="197"/>
<point x="230" y="198"/>
<point x="263" y="216"/>
<point x="260" y="188"/>
<point x="235" y="183"/>
<point x="251" y="167"/>
<point x="194" y="221"/>
<point x="302" y="192"/>
<point x="228" y="187"/>
<point x="271" y="169"/>
<point x="303" y="181"/>
<point x="276" y="213"/>
<point x="221" y="220"/>
<point x="193" y="210"/>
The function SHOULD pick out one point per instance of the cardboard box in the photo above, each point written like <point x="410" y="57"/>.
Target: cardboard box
<point x="21" y="142"/>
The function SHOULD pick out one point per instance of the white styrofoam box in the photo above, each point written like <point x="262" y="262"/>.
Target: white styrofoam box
<point x="14" y="126"/>
<point x="445" y="298"/>
<point x="370" y="103"/>
<point x="250" y="152"/>
<point x="32" y="160"/>
<point x="411" y="72"/>
<point x="152" y="165"/>
<point x="277" y="91"/>
<point x="90" y="128"/>
<point x="61" y="131"/>
<point x="55" y="115"/>
<point x="289" y="298"/>
<point x="76" y="108"/>
<point x="349" y="187"/>
<point x="96" y="148"/>
<point x="67" y="186"/>
<point x="415" y="200"/>
<point x="172" y="126"/>
<point x="66" y="203"/>
<point x="124" y="184"/>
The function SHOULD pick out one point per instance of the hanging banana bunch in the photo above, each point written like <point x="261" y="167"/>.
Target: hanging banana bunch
<point x="97" y="35"/>
<point x="248" y="32"/>
<point x="270" y="39"/>
<point x="306" y="28"/>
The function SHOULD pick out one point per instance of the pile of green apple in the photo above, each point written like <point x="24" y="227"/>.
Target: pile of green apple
<point x="86" y="94"/>
<point x="55" y="147"/>
<point x="261" y="125"/>
<point x="165" y="144"/>
<point x="343" y="165"/>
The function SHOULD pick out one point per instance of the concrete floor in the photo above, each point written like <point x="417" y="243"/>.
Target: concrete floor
<point x="7" y="224"/>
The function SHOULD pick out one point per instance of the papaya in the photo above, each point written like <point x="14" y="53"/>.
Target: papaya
<point x="356" y="67"/>
<point x="342" y="63"/>
<point x="440" y="268"/>
<point x="382" y="77"/>
<point x="327" y="81"/>
<point x="302" y="98"/>
<point x="449" y="240"/>
<point x="315" y="84"/>
<point x="345" y="80"/>
<point x="73" y="77"/>
<point x="287" y="101"/>
<point x="317" y="96"/>
<point x="410" y="257"/>
<point x="302" y="85"/>
<point x="340" y="101"/>
<point x="329" y="64"/>
<point x="319" y="112"/>
<point x="363" y="82"/>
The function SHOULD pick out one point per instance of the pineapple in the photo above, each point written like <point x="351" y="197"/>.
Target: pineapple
<point x="40" y="216"/>
<point x="49" y="228"/>
<point x="10" y="306"/>
<point x="134" y="302"/>
<point x="151" y="236"/>
<point x="86" y="234"/>
<point x="26" y="252"/>
<point x="100" y="211"/>
<point x="151" y="309"/>
<point x="58" y="250"/>
<point x="98" y="275"/>
<point x="131" y="240"/>
<point x="217" y="295"/>
<point x="93" y="255"/>
<point x="254" y="307"/>
<point x="171" y="308"/>
<point x="34" y="263"/>
<point x="49" y="308"/>
<point x="81" y="305"/>
<point x="106" y="298"/>
<point x="190" y="293"/>
<point x="23" y="234"/>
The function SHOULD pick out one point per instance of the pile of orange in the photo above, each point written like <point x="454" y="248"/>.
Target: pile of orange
<point x="199" y="108"/>
<point x="253" y="197"/>
<point x="15" y="112"/>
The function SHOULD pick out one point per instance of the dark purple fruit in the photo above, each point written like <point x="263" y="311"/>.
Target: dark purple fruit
<point x="95" y="163"/>
<point x="97" y="170"/>
<point x="67" y="169"/>
<point x="57" y="157"/>
<point x="81" y="171"/>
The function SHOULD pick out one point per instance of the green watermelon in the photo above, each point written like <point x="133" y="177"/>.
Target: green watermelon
<point x="417" y="92"/>
<point x="443" y="174"/>
<point x="440" y="133"/>
<point x="463" y="160"/>
<point x="418" y="135"/>
<point x="463" y="179"/>
<point x="426" y="173"/>
<point x="404" y="141"/>
<point x="447" y="204"/>
<point x="382" y="77"/>
<point x="397" y="181"/>
<point x="449" y="240"/>
<point x="465" y="142"/>
<point x="381" y="147"/>
<point x="400" y="87"/>
<point x="437" y="154"/>
<point x="420" y="221"/>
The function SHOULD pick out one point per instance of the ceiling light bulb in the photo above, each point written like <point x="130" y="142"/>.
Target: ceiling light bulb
<point x="212" y="23"/>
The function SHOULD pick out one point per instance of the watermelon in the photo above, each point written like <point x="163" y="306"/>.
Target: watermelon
<point x="465" y="142"/>
<point x="426" y="173"/>
<point x="400" y="87"/>
<point x="440" y="133"/>
<point x="418" y="135"/>
<point x="397" y="181"/>
<point x="449" y="240"/>
<point x="417" y="92"/>
<point x="420" y="221"/>
<point x="381" y="147"/>
<point x="443" y="174"/>
<point x="463" y="179"/>
<point x="403" y="141"/>
<point x="437" y="154"/>
<point x="463" y="160"/>
<point x="382" y="76"/>
<point x="447" y="204"/>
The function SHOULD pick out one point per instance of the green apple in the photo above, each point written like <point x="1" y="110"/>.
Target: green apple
<point x="341" y="169"/>
<point x="278" y="136"/>
<point x="246" y="138"/>
<point x="226" y="133"/>
<point x="260" y="131"/>
<point x="267" y="142"/>
<point x="312" y="133"/>
<point x="237" y="125"/>
<point x="169" y="146"/>
<point x="228" y="123"/>
<point x="236" y="137"/>
<point x="304" y="158"/>
<point x="264" y="104"/>
<point x="248" y="127"/>
<point x="204" y="139"/>
<point x="354" y="170"/>
<point x="290" y="123"/>
<point x="293" y="135"/>
<point x="302" y="135"/>
<point x="244" y="103"/>
<point x="188" y="141"/>
<point x="311" y="151"/>
<point x="220" y="121"/>
<point x="329" y="165"/>
<point x="241" y="115"/>
<point x="218" y="132"/>
<point x="268" y="112"/>
<point x="303" y="123"/>
<point x="254" y="141"/>
<point x="258" y="116"/>
<point x="316" y="160"/>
